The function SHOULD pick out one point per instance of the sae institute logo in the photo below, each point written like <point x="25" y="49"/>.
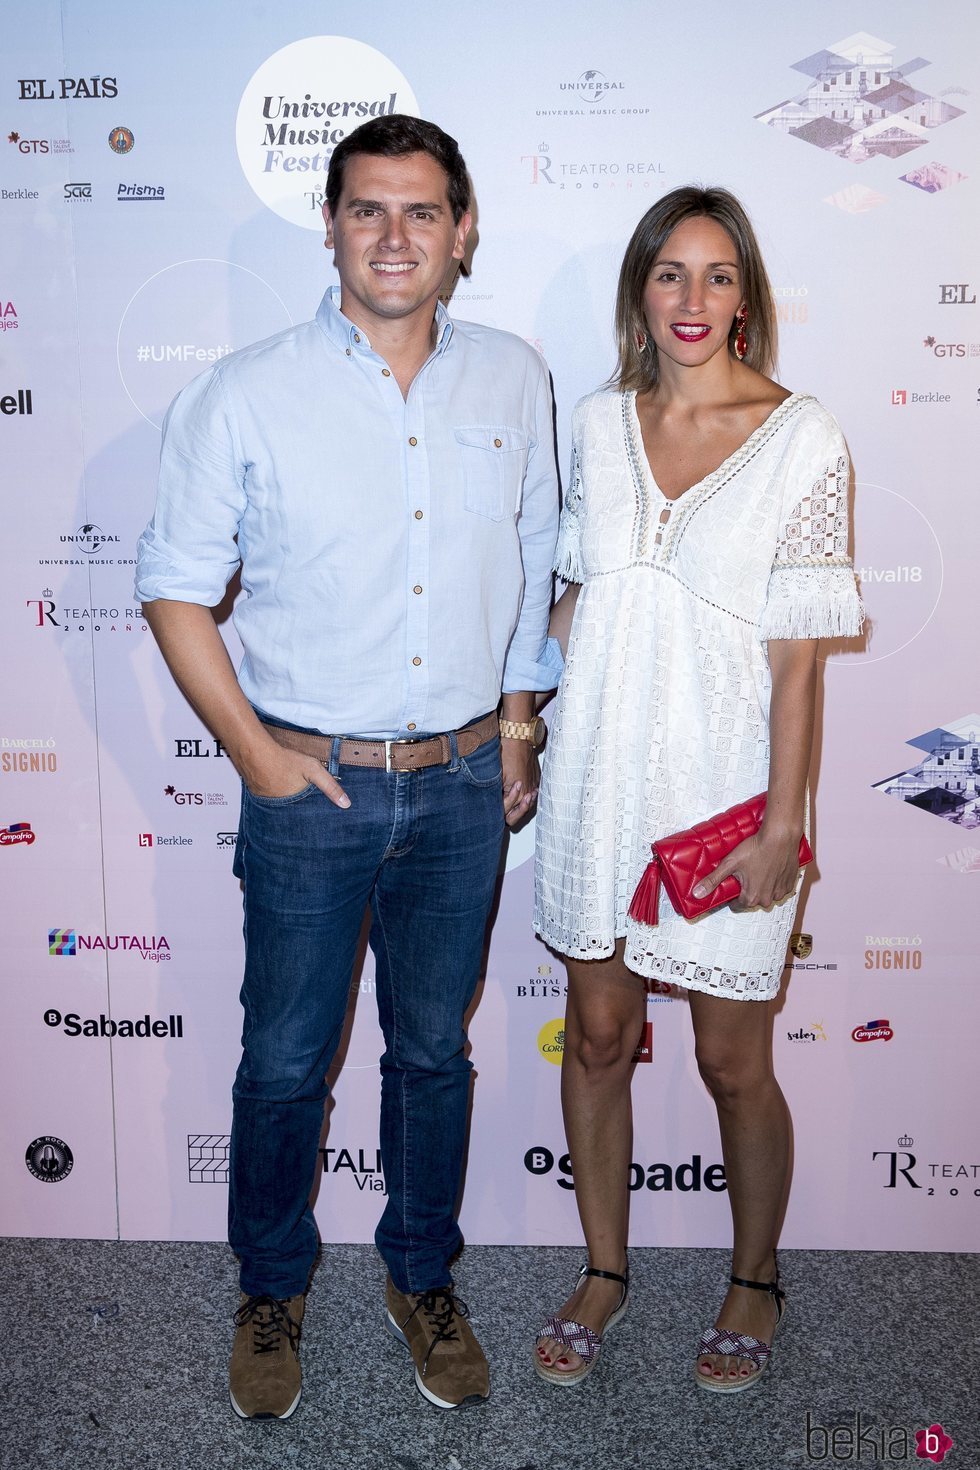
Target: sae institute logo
<point x="49" y="1159"/>
<point x="299" y="105"/>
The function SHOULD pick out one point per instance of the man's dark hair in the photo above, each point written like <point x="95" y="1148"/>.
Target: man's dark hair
<point x="395" y="136"/>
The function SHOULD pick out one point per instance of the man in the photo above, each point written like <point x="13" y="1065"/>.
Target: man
<point x="389" y="475"/>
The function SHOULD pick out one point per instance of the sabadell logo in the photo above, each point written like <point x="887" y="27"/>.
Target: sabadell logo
<point x="299" y="105"/>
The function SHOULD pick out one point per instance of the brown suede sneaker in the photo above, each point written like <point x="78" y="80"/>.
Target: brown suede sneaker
<point x="450" y="1368"/>
<point x="265" y="1379"/>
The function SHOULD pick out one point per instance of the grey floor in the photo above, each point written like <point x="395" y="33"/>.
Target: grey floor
<point x="114" y="1355"/>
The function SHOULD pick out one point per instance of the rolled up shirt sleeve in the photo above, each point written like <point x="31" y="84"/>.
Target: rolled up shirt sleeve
<point x="188" y="552"/>
<point x="533" y="660"/>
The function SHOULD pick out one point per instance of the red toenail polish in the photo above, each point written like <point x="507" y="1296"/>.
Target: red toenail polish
<point x="563" y="1361"/>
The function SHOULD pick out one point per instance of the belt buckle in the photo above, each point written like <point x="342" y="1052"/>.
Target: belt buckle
<point x="388" y="744"/>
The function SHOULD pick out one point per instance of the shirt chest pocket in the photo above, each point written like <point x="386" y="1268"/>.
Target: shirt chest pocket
<point x="493" y="461"/>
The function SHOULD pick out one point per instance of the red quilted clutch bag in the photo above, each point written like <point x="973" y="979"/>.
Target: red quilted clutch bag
<point x="681" y="861"/>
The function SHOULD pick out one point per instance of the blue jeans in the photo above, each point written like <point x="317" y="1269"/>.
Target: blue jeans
<point x="422" y="848"/>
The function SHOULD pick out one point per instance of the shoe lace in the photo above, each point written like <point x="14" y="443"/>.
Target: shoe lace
<point x="440" y="1307"/>
<point x="269" y="1319"/>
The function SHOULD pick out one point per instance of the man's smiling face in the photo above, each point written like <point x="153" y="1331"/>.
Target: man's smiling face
<point x="393" y="237"/>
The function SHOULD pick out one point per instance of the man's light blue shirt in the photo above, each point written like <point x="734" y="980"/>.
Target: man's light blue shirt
<point x="396" y="554"/>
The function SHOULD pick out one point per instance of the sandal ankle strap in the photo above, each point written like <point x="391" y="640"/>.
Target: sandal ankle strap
<point x="772" y="1287"/>
<point x="606" y="1275"/>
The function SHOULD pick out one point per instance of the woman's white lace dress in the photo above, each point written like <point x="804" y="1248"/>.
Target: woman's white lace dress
<point x="662" y="715"/>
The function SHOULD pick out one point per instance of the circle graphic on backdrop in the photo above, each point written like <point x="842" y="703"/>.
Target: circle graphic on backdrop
<point x="121" y="140"/>
<point x="49" y="1159"/>
<point x="186" y="317"/>
<point x="551" y="1040"/>
<point x="899" y="562"/>
<point x="299" y="104"/>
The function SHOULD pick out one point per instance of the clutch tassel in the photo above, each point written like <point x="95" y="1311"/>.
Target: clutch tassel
<point x="645" y="905"/>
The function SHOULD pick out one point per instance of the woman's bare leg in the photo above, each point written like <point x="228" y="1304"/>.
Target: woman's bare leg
<point x="603" y="1021"/>
<point x="733" y="1043"/>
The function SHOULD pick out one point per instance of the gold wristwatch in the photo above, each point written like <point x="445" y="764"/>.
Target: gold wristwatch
<point x="533" y="731"/>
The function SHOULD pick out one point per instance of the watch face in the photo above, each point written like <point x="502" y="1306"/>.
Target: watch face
<point x="538" y="731"/>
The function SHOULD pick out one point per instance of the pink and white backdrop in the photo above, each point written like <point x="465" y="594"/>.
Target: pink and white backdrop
<point x="849" y="130"/>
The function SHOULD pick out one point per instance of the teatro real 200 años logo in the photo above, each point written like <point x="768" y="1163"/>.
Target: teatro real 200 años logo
<point x="300" y="103"/>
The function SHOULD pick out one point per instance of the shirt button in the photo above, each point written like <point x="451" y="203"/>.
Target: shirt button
<point x="411" y="725"/>
<point x="413" y="441"/>
<point x="497" y="443"/>
<point x="416" y="589"/>
<point x="385" y="373"/>
<point x="418" y="515"/>
<point x="356" y="337"/>
<point x="348" y="351"/>
<point x="416" y="661"/>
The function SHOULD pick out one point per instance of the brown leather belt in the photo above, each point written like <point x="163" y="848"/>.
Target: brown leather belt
<point x="388" y="755"/>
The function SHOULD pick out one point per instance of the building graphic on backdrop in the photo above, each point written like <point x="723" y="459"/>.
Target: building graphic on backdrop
<point x="946" y="782"/>
<point x="207" y="1157"/>
<point x="859" y="104"/>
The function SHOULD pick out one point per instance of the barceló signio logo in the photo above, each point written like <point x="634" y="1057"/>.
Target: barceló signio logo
<point x="49" y="1159"/>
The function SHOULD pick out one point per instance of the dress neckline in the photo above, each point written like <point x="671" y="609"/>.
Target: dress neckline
<point x="769" y="423"/>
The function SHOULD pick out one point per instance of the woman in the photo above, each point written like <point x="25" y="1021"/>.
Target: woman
<point x="704" y="536"/>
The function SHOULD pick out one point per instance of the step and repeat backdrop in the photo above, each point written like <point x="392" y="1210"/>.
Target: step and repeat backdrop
<point x="850" y="132"/>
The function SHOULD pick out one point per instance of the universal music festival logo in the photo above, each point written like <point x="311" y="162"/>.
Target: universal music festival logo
<point x="300" y="103"/>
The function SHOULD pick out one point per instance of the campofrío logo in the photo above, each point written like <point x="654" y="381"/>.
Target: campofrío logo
<point x="873" y="1031"/>
<point x="299" y="104"/>
<point x="72" y="1024"/>
<point x="17" y="834"/>
<point x="49" y="1159"/>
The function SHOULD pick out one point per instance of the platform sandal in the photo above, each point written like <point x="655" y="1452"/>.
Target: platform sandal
<point x="737" y="1345"/>
<point x="577" y="1338"/>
